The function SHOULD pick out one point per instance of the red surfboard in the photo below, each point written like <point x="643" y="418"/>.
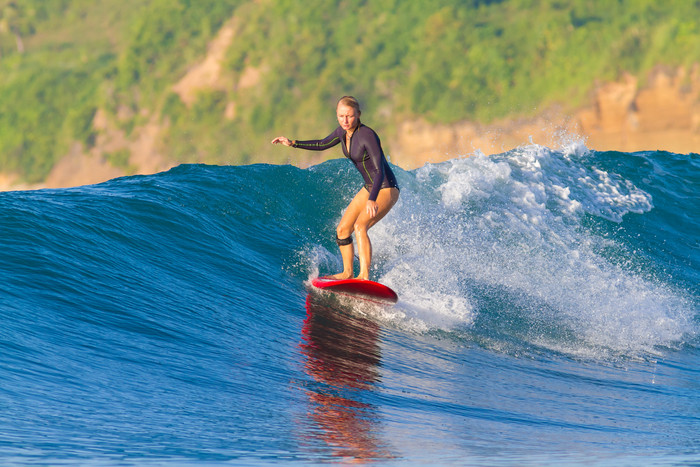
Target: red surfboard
<point x="367" y="290"/>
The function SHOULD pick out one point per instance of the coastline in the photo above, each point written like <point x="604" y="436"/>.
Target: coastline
<point x="91" y="169"/>
<point x="624" y="116"/>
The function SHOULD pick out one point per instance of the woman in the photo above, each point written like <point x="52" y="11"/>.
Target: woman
<point x="361" y="145"/>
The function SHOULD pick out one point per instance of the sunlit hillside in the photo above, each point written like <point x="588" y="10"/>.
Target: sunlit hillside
<point x="214" y="80"/>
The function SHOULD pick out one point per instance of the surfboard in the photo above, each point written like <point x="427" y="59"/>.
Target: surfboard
<point x="366" y="290"/>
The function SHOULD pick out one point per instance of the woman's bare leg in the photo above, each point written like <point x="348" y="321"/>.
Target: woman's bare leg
<point x="386" y="199"/>
<point x="344" y="230"/>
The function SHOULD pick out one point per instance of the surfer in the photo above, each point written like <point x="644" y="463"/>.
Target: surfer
<point x="361" y="145"/>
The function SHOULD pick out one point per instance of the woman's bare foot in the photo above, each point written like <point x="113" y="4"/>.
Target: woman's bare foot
<point x="339" y="277"/>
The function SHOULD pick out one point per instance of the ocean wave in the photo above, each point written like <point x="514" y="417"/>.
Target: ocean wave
<point x="167" y="318"/>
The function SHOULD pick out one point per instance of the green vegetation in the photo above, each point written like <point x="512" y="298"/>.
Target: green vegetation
<point x="61" y="60"/>
<point x="120" y="159"/>
<point x="162" y="41"/>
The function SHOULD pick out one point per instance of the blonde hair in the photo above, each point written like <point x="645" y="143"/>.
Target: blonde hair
<point x="350" y="101"/>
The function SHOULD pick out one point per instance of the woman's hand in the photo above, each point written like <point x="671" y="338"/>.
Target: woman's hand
<point x="372" y="208"/>
<point x="282" y="140"/>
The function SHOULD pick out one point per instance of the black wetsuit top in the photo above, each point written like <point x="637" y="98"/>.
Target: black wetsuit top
<point x="365" y="152"/>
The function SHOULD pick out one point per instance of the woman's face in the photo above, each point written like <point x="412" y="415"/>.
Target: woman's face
<point x="347" y="117"/>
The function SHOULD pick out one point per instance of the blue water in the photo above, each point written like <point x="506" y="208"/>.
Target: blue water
<point x="548" y="314"/>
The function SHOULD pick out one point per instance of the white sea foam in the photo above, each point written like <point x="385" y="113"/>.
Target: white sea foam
<point x="513" y="223"/>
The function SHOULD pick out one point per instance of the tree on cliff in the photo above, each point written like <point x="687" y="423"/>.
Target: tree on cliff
<point x="16" y="19"/>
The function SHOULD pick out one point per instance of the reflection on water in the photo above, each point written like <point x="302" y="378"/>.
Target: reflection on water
<point x="342" y="358"/>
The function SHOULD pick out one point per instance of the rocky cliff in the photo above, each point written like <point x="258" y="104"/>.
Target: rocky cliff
<point x="662" y="113"/>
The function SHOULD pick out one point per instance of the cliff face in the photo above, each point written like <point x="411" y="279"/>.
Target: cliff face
<point x="418" y="142"/>
<point x="664" y="114"/>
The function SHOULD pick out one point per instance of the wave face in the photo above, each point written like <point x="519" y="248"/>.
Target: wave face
<point x="548" y="312"/>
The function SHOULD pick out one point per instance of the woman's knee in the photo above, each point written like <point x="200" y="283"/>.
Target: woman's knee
<point x="360" y="228"/>
<point x="343" y="231"/>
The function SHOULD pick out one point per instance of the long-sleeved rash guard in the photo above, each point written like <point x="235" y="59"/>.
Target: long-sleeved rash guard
<point x="365" y="152"/>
